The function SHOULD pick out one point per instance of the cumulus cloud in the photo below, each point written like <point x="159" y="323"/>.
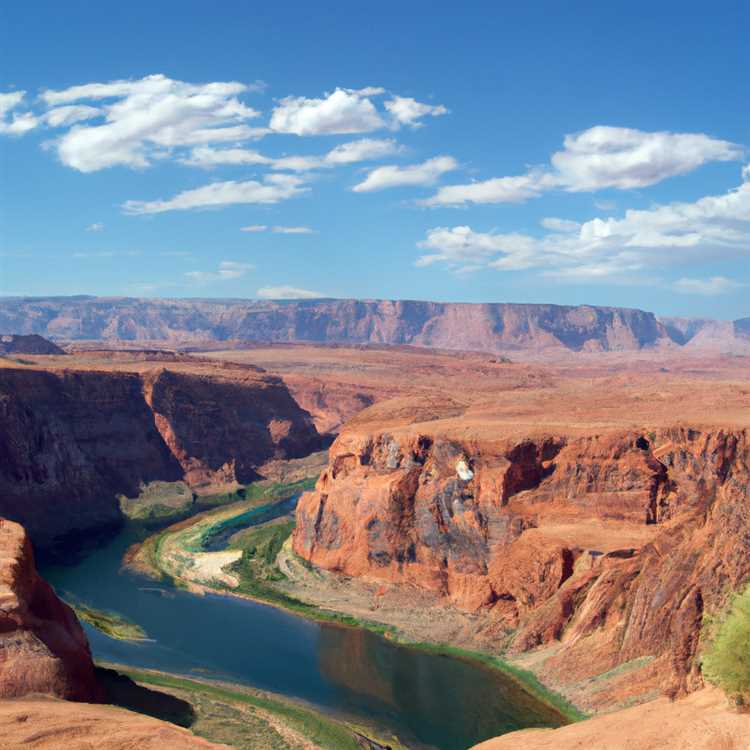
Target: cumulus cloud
<point x="408" y="111"/>
<point x="11" y="122"/>
<point x="227" y="270"/>
<point x="497" y="190"/>
<point x="426" y="173"/>
<point x="708" y="287"/>
<point x="208" y="157"/>
<point x="560" y="225"/>
<point x="624" y="158"/>
<point x="70" y="114"/>
<point x="272" y="189"/>
<point x="343" y="111"/>
<point x="96" y="227"/>
<point x="597" y="158"/>
<point x="680" y="232"/>
<point x="143" y="119"/>
<point x="287" y="292"/>
<point x="364" y="149"/>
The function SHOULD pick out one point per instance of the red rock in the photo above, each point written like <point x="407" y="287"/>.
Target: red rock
<point x="42" y="646"/>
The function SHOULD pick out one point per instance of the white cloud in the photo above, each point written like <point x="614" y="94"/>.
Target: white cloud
<point x="272" y="189"/>
<point x="293" y="230"/>
<point x="624" y="158"/>
<point x="227" y="270"/>
<point x="96" y="227"/>
<point x="597" y="158"/>
<point x="19" y="123"/>
<point x="343" y="111"/>
<point x="278" y="229"/>
<point x="560" y="225"/>
<point x="70" y="114"/>
<point x="365" y="149"/>
<point x="605" y="205"/>
<point x="497" y="190"/>
<point x="147" y="118"/>
<point x="288" y="292"/>
<point x="207" y="157"/>
<point x="426" y="173"/>
<point x="662" y="236"/>
<point x="707" y="287"/>
<point x="408" y="111"/>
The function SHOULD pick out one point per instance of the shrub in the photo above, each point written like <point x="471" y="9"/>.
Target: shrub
<point x="726" y="663"/>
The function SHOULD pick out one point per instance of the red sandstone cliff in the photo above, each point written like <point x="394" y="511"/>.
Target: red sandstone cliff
<point x="482" y="327"/>
<point x="42" y="646"/>
<point x="607" y="546"/>
<point x="72" y="441"/>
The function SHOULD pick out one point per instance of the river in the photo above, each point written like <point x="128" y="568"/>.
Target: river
<point x="427" y="700"/>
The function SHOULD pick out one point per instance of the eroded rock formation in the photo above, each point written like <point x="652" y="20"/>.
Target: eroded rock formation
<point x="42" y="646"/>
<point x="72" y="441"/>
<point x="608" y="546"/>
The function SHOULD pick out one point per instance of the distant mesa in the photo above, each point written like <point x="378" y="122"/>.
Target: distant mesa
<point x="486" y="327"/>
<point x="11" y="343"/>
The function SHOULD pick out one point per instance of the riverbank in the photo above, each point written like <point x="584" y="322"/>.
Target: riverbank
<point x="241" y="717"/>
<point x="258" y="564"/>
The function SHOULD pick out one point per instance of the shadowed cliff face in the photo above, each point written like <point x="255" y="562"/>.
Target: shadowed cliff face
<point x="42" y="646"/>
<point x="608" y="546"/>
<point x="71" y="442"/>
<point x="483" y="327"/>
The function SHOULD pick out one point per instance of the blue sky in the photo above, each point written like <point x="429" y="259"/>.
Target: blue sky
<point x="528" y="152"/>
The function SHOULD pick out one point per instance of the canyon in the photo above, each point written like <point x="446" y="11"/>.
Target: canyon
<point x="493" y="327"/>
<point x="582" y="515"/>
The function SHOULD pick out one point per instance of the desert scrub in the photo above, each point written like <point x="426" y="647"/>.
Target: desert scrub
<point x="726" y="661"/>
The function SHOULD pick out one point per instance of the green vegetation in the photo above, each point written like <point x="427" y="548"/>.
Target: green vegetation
<point x="265" y="491"/>
<point x="110" y="623"/>
<point x="240" y="716"/>
<point x="726" y="662"/>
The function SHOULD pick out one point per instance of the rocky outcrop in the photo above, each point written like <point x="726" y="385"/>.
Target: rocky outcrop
<point x="42" y="646"/>
<point x="609" y="546"/>
<point x="31" y="344"/>
<point x="71" y="442"/>
<point x="47" y="724"/>
<point x="702" y="721"/>
<point x="482" y="327"/>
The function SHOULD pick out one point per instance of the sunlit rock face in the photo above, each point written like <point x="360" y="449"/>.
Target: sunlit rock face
<point x="611" y="545"/>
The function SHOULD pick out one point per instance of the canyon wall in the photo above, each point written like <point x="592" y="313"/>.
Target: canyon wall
<point x="72" y="441"/>
<point x="605" y="546"/>
<point x="42" y="646"/>
<point x="482" y="327"/>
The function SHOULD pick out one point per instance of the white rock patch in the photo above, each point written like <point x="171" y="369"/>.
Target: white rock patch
<point x="463" y="470"/>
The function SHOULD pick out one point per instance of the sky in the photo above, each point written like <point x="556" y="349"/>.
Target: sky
<point x="570" y="153"/>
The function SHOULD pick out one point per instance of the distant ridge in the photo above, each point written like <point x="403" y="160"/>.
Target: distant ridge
<point x="27" y="344"/>
<point x="492" y="327"/>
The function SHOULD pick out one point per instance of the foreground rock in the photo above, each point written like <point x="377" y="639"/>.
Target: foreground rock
<point x="596" y="548"/>
<point x="49" y="724"/>
<point x="701" y="721"/>
<point x="73" y="440"/>
<point x="42" y="646"/>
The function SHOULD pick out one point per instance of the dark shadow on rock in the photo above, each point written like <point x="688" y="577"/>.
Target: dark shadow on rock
<point x="120" y="690"/>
